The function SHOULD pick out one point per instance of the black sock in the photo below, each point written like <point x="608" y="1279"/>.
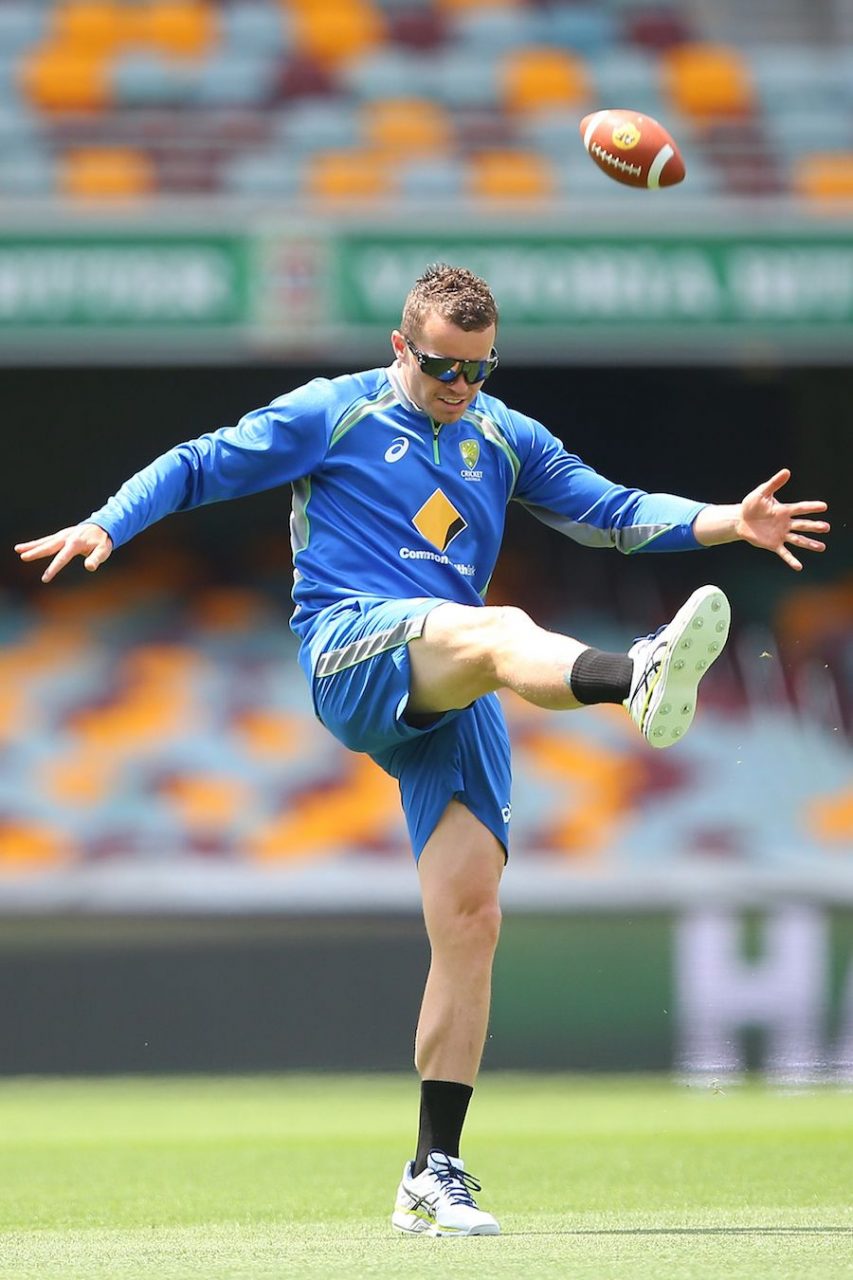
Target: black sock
<point x="601" y="677"/>
<point x="443" y="1107"/>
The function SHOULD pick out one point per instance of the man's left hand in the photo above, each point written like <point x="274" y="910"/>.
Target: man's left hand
<point x="777" y="526"/>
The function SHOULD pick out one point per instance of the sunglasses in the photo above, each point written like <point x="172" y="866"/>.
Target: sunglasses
<point x="448" y="369"/>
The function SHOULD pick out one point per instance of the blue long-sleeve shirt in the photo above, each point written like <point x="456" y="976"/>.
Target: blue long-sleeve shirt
<point x="388" y="504"/>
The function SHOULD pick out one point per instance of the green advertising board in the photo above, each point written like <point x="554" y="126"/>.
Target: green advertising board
<point x="713" y="990"/>
<point x="274" y="287"/>
<point x="123" y="281"/>
<point x="658" y="284"/>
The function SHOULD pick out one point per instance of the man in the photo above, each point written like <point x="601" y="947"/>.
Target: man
<point x="400" y="479"/>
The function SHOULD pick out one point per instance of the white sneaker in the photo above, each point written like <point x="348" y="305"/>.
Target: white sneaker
<point x="438" y="1202"/>
<point x="669" y="665"/>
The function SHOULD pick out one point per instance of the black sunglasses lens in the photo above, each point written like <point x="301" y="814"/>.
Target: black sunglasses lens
<point x="472" y="370"/>
<point x="446" y="369"/>
<point x="440" y="367"/>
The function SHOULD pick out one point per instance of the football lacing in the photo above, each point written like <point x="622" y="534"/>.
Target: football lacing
<point x="616" y="162"/>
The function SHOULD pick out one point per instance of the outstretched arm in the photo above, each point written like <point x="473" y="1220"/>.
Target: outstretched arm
<point x="762" y="520"/>
<point x="267" y="448"/>
<point x="88" y="540"/>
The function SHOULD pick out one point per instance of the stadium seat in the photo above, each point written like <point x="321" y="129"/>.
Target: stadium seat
<point x="708" y="81"/>
<point x="795" y="130"/>
<point x="78" y="779"/>
<point x="30" y="844"/>
<point x="302" y="77"/>
<point x="510" y="175"/>
<point x="363" y="803"/>
<point x="227" y="78"/>
<point x="355" y="174"/>
<point x="536" y="79"/>
<point x="401" y="126"/>
<point x="788" y="79"/>
<point x="453" y="77"/>
<point x="184" y="28"/>
<point x="588" y="29"/>
<point x="555" y="133"/>
<point x="24" y="172"/>
<point x="22" y="26"/>
<point x="422" y="29"/>
<point x="95" y="26"/>
<point x="97" y="172"/>
<point x="824" y="177"/>
<point x="325" y="124"/>
<point x="657" y="27"/>
<point x="250" y="26"/>
<point x="481" y="129"/>
<point x="206" y="800"/>
<point x="54" y="78"/>
<point x="336" y="30"/>
<point x="269" y="172"/>
<point x="387" y="73"/>
<point x="488" y="31"/>
<point x="269" y="734"/>
<point x="150" y="79"/>
<point x="432" y="178"/>
<point x="627" y="76"/>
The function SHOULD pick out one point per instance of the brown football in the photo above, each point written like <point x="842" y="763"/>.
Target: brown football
<point x="632" y="148"/>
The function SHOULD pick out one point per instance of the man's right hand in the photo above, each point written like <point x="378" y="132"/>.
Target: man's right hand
<point x="88" y="540"/>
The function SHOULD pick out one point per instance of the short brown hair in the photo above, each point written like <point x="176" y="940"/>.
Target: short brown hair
<point x="454" y="293"/>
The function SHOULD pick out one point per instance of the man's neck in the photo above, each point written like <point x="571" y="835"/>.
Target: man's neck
<point x="395" y="377"/>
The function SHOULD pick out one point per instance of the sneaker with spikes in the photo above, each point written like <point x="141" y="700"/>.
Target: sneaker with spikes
<point x="439" y="1201"/>
<point x="669" y="665"/>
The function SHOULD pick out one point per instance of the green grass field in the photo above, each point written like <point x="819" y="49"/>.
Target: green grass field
<point x="294" y="1176"/>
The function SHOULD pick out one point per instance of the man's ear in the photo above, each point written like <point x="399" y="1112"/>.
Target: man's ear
<point x="398" y="344"/>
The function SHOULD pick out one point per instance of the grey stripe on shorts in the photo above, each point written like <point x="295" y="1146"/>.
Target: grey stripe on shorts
<point x="368" y="646"/>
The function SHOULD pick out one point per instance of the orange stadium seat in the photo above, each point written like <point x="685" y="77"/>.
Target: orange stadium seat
<point x="61" y="78"/>
<point x="272" y="735"/>
<point x="510" y="175"/>
<point x="207" y="800"/>
<point x="185" y="28"/>
<point x="333" y="31"/>
<point x="88" y="172"/>
<point x="824" y="176"/>
<point x="704" y="81"/>
<point x="97" y="26"/>
<point x="31" y="844"/>
<point x="407" y="125"/>
<point x="348" y="175"/>
<point x="80" y="779"/>
<point x="538" y="79"/>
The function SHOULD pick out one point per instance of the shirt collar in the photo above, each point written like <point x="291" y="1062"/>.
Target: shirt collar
<point x="395" y="378"/>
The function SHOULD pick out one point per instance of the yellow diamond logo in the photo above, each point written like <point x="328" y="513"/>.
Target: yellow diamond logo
<point x="438" y="521"/>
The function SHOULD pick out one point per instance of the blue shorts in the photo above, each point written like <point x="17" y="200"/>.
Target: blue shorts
<point x="358" y="664"/>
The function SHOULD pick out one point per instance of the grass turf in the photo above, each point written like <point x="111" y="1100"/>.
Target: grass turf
<point x="593" y="1179"/>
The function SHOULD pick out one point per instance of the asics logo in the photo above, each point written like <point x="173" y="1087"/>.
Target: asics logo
<point x="396" y="449"/>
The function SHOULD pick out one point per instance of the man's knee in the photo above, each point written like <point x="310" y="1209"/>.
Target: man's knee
<point x="471" y="924"/>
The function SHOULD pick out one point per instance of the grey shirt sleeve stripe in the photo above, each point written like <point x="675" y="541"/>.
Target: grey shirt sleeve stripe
<point x="626" y="540"/>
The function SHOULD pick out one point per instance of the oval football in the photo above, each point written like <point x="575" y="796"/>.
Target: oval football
<point x="632" y="148"/>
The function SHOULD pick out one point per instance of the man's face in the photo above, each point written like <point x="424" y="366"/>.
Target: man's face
<point x="442" y="401"/>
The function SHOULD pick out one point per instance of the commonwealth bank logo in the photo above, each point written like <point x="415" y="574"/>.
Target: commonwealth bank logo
<point x="470" y="450"/>
<point x="438" y="521"/>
